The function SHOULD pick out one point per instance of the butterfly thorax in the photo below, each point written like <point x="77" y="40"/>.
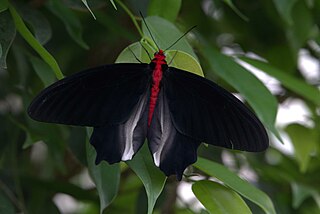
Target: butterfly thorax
<point x="158" y="60"/>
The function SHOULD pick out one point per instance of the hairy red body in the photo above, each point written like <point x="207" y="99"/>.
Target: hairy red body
<point x="159" y="60"/>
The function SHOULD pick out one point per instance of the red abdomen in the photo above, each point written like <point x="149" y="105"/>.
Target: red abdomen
<point x="159" y="60"/>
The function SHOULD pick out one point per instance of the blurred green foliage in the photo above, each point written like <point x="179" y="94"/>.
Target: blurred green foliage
<point x="44" y="40"/>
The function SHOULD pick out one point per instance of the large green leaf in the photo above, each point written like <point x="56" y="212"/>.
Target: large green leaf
<point x="105" y="176"/>
<point x="69" y="19"/>
<point x="135" y="52"/>
<point x="250" y="87"/>
<point x="7" y="35"/>
<point x="305" y="142"/>
<point x="297" y="85"/>
<point x="181" y="60"/>
<point x="219" y="199"/>
<point x="159" y="28"/>
<point x="33" y="42"/>
<point x="239" y="185"/>
<point x="167" y="9"/>
<point x="151" y="176"/>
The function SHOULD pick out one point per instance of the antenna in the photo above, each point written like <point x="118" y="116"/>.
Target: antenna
<point x="144" y="21"/>
<point x="181" y="37"/>
<point x="134" y="55"/>
<point x="145" y="50"/>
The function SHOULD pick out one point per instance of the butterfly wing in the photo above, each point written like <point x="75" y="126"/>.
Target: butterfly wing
<point x="202" y="110"/>
<point x="172" y="151"/>
<point x="100" y="96"/>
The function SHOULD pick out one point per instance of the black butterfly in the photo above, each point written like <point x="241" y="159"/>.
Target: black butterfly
<point x="174" y="109"/>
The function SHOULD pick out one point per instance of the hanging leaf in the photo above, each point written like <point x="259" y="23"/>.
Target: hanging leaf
<point x="167" y="9"/>
<point x="86" y="4"/>
<point x="239" y="185"/>
<point x="298" y="86"/>
<point x="152" y="178"/>
<point x="305" y="142"/>
<point x="219" y="199"/>
<point x="7" y="35"/>
<point x="113" y="4"/>
<point x="70" y="21"/>
<point x="105" y="176"/>
<point x="257" y="95"/>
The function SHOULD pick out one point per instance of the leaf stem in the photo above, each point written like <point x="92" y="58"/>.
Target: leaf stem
<point x="33" y="42"/>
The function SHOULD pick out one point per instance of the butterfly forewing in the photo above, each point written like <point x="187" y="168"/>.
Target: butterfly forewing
<point x="204" y="111"/>
<point x="99" y="96"/>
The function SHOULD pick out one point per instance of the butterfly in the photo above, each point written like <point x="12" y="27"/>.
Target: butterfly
<point x="174" y="109"/>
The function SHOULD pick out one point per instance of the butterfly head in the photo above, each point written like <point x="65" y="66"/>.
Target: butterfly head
<point x="159" y="56"/>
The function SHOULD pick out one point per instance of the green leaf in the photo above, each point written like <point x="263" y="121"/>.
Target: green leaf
<point x="37" y="21"/>
<point x="239" y="185"/>
<point x="250" y="87"/>
<point x="33" y="42"/>
<point x="70" y="21"/>
<point x="305" y="142"/>
<point x="129" y="54"/>
<point x="105" y="176"/>
<point x="284" y="8"/>
<point x="113" y="4"/>
<point x="167" y="9"/>
<point x="236" y="10"/>
<point x="159" y="28"/>
<point x="181" y="60"/>
<point x="302" y="29"/>
<point x="219" y="199"/>
<point x="184" y="61"/>
<point x="86" y="4"/>
<point x="301" y="192"/>
<point x="7" y="35"/>
<point x="152" y="178"/>
<point x="296" y="85"/>
<point x="5" y="205"/>
<point x="3" y="5"/>
<point x="43" y="70"/>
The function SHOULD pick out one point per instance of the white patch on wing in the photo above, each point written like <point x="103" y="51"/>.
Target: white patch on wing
<point x="165" y="129"/>
<point x="129" y="127"/>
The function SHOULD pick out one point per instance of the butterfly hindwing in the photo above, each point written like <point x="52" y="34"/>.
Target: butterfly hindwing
<point x="204" y="111"/>
<point x="99" y="96"/>
<point x="172" y="151"/>
<point x="117" y="142"/>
